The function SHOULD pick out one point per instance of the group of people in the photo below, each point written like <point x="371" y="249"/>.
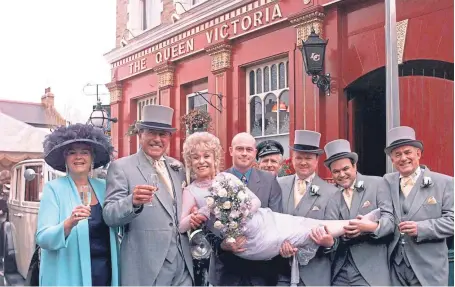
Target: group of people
<point x="404" y="245"/>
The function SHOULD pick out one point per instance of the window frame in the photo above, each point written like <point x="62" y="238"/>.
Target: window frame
<point x="263" y="95"/>
<point x="192" y="95"/>
<point x="42" y="181"/>
<point x="147" y="99"/>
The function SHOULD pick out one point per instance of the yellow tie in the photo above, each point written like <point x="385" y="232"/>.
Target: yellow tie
<point x="301" y="189"/>
<point x="406" y="184"/>
<point x="347" y="194"/>
<point x="162" y="172"/>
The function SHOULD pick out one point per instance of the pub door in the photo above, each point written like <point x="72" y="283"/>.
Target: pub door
<point x="367" y="121"/>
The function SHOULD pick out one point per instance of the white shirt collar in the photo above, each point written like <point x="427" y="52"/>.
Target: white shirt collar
<point x="415" y="175"/>
<point x="308" y="179"/>
<point x="152" y="161"/>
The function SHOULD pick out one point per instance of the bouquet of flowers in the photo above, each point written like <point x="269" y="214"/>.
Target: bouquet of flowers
<point x="230" y="203"/>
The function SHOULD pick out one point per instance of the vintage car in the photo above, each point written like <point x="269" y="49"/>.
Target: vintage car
<point x="17" y="232"/>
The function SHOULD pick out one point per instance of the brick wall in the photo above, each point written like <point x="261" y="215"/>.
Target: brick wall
<point x="121" y="21"/>
<point x="168" y="10"/>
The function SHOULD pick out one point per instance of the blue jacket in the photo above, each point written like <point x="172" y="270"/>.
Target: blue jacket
<point x="67" y="261"/>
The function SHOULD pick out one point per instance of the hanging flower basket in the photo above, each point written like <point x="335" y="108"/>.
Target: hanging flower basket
<point x="132" y="130"/>
<point x="196" y="121"/>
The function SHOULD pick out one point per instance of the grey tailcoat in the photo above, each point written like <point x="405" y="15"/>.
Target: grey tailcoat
<point x="432" y="209"/>
<point x="317" y="272"/>
<point x="368" y="251"/>
<point x="229" y="269"/>
<point x="147" y="241"/>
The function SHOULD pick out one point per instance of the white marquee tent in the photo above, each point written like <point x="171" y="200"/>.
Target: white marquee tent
<point x="19" y="141"/>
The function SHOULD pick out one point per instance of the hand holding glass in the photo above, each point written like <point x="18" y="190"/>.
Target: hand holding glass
<point x="153" y="181"/>
<point x="85" y="192"/>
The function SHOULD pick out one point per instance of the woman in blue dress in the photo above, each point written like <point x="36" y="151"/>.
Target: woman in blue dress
<point x="77" y="247"/>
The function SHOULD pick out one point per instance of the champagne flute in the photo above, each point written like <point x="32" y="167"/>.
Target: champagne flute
<point x="402" y="241"/>
<point x="85" y="193"/>
<point x="153" y="181"/>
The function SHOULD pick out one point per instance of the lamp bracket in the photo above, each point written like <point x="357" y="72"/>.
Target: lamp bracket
<point x="218" y="104"/>
<point x="322" y="82"/>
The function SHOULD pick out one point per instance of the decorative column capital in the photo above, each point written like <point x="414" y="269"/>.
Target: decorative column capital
<point x="304" y="21"/>
<point x="165" y="74"/>
<point x="221" y="56"/>
<point x="115" y="91"/>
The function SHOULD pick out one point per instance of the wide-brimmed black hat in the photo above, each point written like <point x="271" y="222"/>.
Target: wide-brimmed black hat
<point x="156" y="117"/>
<point x="60" y="139"/>
<point x="307" y="141"/>
<point x="269" y="147"/>
<point x="339" y="149"/>
<point x="401" y="136"/>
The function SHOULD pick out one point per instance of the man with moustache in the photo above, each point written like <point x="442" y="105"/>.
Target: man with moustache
<point x="423" y="205"/>
<point x="270" y="155"/>
<point x="361" y="256"/>
<point x="152" y="252"/>
<point x="306" y="194"/>
<point x="227" y="269"/>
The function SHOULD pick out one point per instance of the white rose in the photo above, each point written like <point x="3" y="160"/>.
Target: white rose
<point x="222" y="192"/>
<point x="241" y="195"/>
<point x="217" y="211"/>
<point x="234" y="214"/>
<point x="210" y="201"/>
<point x="227" y="205"/>
<point x="230" y="240"/>
<point x="233" y="225"/>
<point x="218" y="224"/>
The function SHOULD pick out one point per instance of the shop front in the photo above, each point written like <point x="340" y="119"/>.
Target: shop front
<point x="243" y="64"/>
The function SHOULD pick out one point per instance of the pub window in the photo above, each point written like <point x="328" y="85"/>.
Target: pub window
<point x="34" y="187"/>
<point x="148" y="100"/>
<point x="143" y="15"/>
<point x="197" y="101"/>
<point x="268" y="104"/>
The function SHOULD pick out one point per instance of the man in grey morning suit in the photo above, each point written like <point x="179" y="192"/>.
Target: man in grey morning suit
<point x="361" y="255"/>
<point x="423" y="205"/>
<point x="225" y="267"/>
<point x="152" y="251"/>
<point x="306" y="194"/>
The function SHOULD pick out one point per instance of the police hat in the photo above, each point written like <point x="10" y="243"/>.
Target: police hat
<point x="269" y="147"/>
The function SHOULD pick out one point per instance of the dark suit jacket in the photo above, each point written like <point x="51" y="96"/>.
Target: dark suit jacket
<point x="229" y="269"/>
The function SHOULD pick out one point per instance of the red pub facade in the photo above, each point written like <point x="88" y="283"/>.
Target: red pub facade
<point x="241" y="61"/>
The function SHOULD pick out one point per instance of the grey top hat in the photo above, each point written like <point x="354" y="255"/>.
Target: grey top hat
<point x="269" y="147"/>
<point x="338" y="149"/>
<point x="307" y="141"/>
<point x="156" y="117"/>
<point x="401" y="136"/>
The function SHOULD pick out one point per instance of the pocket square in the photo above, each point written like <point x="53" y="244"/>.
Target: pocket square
<point x="366" y="204"/>
<point x="431" y="200"/>
<point x="315" y="208"/>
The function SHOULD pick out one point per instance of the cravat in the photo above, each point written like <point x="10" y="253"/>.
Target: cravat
<point x="299" y="192"/>
<point x="406" y="184"/>
<point x="244" y="180"/>
<point x="347" y="194"/>
<point x="162" y="172"/>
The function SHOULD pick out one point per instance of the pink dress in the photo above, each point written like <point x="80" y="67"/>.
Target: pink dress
<point x="265" y="231"/>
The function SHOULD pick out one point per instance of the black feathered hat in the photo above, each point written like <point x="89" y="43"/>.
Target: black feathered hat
<point x="55" y="144"/>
